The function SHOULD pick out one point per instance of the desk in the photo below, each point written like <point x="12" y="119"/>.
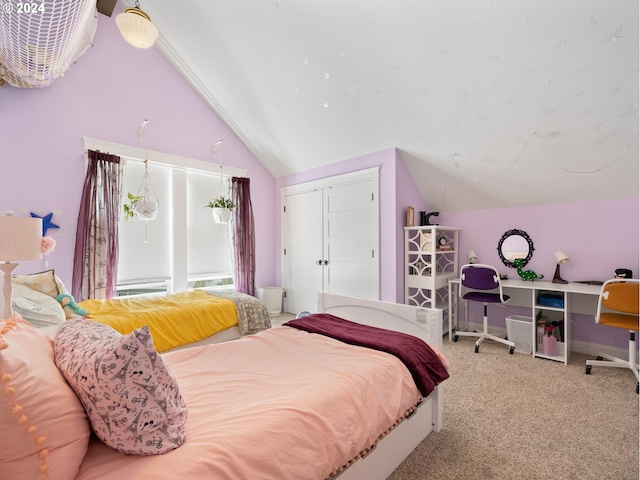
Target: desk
<point x="578" y="298"/>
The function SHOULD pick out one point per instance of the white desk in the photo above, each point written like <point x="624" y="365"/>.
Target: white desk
<point x="578" y="298"/>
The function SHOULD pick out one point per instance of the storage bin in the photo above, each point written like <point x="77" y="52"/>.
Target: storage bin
<point x="272" y="299"/>
<point x="555" y="300"/>
<point x="520" y="331"/>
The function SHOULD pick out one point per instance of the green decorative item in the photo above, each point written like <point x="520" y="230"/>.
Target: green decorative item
<point x="527" y="275"/>
<point x="221" y="208"/>
<point x="67" y="302"/>
<point x="221" y="202"/>
<point x="129" y="208"/>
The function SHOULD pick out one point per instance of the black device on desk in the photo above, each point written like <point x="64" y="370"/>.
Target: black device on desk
<point x="623" y="273"/>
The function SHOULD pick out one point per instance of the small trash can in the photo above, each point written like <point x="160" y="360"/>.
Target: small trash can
<point x="272" y="299"/>
<point x="519" y="331"/>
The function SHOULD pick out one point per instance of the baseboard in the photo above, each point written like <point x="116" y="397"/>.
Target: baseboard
<point x="588" y="348"/>
<point x="593" y="349"/>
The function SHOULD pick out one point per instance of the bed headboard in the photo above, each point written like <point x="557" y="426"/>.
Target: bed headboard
<point x="425" y="323"/>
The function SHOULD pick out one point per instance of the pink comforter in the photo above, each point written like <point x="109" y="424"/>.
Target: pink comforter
<point x="283" y="404"/>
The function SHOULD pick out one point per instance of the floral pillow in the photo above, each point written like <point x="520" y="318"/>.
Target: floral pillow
<point x="130" y="395"/>
<point x="44" y="431"/>
<point x="46" y="282"/>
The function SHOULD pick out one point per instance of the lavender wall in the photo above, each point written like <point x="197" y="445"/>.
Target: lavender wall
<point x="407" y="195"/>
<point x="598" y="237"/>
<point x="106" y="94"/>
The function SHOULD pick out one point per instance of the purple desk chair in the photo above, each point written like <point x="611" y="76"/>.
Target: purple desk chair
<point x="475" y="281"/>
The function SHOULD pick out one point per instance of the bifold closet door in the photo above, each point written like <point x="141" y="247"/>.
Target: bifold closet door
<point x="350" y="241"/>
<point x="330" y="244"/>
<point x="302" y="241"/>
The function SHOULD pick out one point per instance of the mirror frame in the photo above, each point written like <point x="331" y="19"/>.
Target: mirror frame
<point x="508" y="234"/>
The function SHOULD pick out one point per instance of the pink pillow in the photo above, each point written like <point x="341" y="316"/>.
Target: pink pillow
<point x="130" y="395"/>
<point x="44" y="431"/>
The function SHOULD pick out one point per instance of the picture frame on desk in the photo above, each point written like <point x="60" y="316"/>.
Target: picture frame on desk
<point x="410" y="217"/>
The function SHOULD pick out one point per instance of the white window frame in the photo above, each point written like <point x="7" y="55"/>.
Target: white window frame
<point x="180" y="279"/>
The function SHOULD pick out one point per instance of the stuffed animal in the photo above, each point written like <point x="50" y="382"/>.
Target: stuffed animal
<point x="69" y="306"/>
<point x="529" y="275"/>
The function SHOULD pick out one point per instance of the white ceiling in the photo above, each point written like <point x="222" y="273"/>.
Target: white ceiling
<point x="490" y="103"/>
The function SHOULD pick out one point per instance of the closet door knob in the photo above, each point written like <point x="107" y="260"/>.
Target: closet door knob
<point x="326" y="262"/>
<point x="318" y="262"/>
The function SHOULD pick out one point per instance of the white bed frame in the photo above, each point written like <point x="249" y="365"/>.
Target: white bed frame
<point x="425" y="323"/>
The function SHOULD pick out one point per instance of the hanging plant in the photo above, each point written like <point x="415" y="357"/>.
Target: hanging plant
<point x="147" y="204"/>
<point x="221" y="206"/>
<point x="221" y="202"/>
<point x="221" y="209"/>
<point x="129" y="208"/>
<point x="144" y="204"/>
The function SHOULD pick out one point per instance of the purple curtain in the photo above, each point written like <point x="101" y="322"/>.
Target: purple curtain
<point x="95" y="260"/>
<point x="243" y="235"/>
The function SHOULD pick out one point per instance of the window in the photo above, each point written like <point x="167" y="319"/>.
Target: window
<point x="209" y="240"/>
<point x="150" y="251"/>
<point x="145" y="247"/>
<point x="182" y="247"/>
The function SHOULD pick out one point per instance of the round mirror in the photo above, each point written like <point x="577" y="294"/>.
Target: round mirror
<point x="515" y="244"/>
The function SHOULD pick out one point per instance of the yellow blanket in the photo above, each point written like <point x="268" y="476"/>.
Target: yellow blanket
<point x="174" y="319"/>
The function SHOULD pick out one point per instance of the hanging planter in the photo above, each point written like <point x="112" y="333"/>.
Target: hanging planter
<point x="222" y="207"/>
<point x="146" y="209"/>
<point x="144" y="204"/>
<point x="221" y="215"/>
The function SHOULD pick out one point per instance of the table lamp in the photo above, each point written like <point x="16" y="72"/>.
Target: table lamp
<point x="561" y="259"/>
<point x="20" y="239"/>
<point x="473" y="258"/>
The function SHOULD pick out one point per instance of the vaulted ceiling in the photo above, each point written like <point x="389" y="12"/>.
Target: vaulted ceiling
<point x="490" y="103"/>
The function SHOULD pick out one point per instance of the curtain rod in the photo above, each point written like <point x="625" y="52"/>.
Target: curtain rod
<point x="160" y="158"/>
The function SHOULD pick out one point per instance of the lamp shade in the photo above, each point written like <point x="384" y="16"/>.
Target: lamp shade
<point x="136" y="28"/>
<point x="561" y="258"/>
<point x="20" y="238"/>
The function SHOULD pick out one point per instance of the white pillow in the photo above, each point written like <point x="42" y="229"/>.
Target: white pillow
<point x="37" y="308"/>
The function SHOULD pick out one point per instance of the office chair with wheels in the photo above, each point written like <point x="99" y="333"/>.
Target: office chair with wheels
<point x="475" y="281"/>
<point x="618" y="308"/>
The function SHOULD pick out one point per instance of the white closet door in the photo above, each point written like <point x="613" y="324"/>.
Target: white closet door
<point x="330" y="242"/>
<point x="350" y="241"/>
<point x="302" y="243"/>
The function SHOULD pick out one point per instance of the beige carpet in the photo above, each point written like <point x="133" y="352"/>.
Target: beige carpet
<point x="516" y="417"/>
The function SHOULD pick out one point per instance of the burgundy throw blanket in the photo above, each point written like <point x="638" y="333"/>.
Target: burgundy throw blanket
<point x="423" y="363"/>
